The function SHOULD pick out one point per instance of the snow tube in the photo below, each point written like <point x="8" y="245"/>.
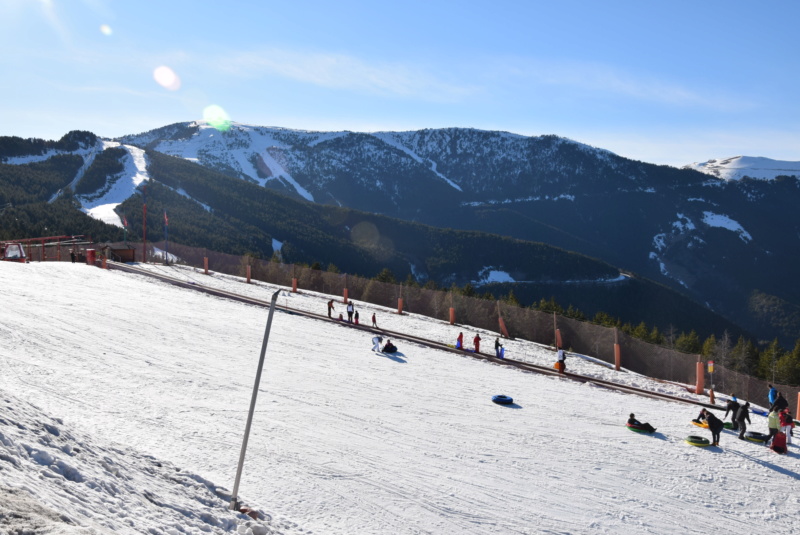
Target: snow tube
<point x="759" y="411"/>
<point x="700" y="423"/>
<point x="637" y="429"/>
<point x="753" y="436"/>
<point x="500" y="399"/>
<point x="697" y="441"/>
<point x="728" y="425"/>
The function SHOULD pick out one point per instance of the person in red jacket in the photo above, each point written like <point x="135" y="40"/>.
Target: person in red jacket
<point x="787" y="423"/>
<point x="460" y="341"/>
<point x="477" y="342"/>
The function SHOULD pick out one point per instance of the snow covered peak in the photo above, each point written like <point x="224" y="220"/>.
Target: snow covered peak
<point x="738" y="167"/>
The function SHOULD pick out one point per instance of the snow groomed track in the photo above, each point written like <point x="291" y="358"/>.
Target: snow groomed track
<point x="525" y="366"/>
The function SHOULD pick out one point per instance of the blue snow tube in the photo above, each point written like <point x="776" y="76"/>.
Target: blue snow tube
<point x="500" y="399"/>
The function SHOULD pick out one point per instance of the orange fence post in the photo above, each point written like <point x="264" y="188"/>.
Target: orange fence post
<point x="105" y="266"/>
<point x="711" y="396"/>
<point x="559" y="343"/>
<point x="399" y="305"/>
<point x="345" y="296"/>
<point x="294" y="285"/>
<point x="701" y="379"/>
<point x="248" y="274"/>
<point x="503" y="329"/>
<point x="205" y="265"/>
<point x="798" y="403"/>
<point x="452" y="316"/>
<point x="617" y="357"/>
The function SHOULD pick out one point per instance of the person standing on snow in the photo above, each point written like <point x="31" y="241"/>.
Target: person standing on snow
<point x="350" y="310"/>
<point x="562" y="359"/>
<point x="715" y="425"/>
<point x="376" y="343"/>
<point x="374" y="321"/>
<point x="460" y="341"/>
<point x="787" y="423"/>
<point x="732" y="407"/>
<point x="330" y="307"/>
<point x="355" y="316"/>
<point x="477" y="342"/>
<point x="772" y="395"/>
<point x="741" y="415"/>
<point x="774" y="424"/>
<point x="780" y="403"/>
<point x="497" y="347"/>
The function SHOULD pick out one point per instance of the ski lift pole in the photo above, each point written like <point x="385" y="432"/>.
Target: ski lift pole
<point x="234" y="494"/>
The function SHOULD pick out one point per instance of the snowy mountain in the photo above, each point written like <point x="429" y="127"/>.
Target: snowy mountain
<point x="729" y="245"/>
<point x="117" y="414"/>
<point x="739" y="167"/>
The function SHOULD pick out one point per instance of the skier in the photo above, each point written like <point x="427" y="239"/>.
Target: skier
<point x="787" y="423"/>
<point x="330" y="307"/>
<point x="460" y="341"/>
<point x="633" y="422"/>
<point x="376" y="343"/>
<point x="715" y="425"/>
<point x="741" y="415"/>
<point x="350" y="310"/>
<point x="732" y="407"/>
<point x="477" y="342"/>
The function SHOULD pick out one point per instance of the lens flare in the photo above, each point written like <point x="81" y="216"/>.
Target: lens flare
<point x="217" y="117"/>
<point x="105" y="29"/>
<point x="166" y="78"/>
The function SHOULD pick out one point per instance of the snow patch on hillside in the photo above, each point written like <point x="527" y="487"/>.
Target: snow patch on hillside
<point x="722" y="221"/>
<point x="123" y="186"/>
<point x="390" y="139"/>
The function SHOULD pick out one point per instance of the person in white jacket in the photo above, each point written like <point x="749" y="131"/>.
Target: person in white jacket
<point x="376" y="343"/>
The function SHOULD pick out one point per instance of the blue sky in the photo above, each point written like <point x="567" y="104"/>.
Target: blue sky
<point x="664" y="82"/>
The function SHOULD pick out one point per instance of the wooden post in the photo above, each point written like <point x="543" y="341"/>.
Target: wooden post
<point x="559" y="343"/>
<point x="555" y="330"/>
<point x="345" y="296"/>
<point x="105" y="266"/>
<point x="399" y="305"/>
<point x="248" y="274"/>
<point x="711" y="396"/>
<point x="205" y="265"/>
<point x="617" y="351"/>
<point x="452" y="316"/>
<point x="294" y="285"/>
<point x="701" y="379"/>
<point x="798" y="406"/>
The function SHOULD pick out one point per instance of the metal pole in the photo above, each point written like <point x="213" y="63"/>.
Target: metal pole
<point x="234" y="494"/>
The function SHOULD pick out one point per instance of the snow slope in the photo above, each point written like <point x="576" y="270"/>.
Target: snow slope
<point x="345" y="440"/>
<point x="738" y="167"/>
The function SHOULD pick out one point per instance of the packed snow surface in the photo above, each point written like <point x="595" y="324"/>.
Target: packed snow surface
<point x="130" y="370"/>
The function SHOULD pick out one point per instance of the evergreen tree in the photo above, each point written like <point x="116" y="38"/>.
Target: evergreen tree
<point x="768" y="362"/>
<point x="709" y="347"/>
<point x="688" y="343"/>
<point x="386" y="275"/>
<point x="788" y="368"/>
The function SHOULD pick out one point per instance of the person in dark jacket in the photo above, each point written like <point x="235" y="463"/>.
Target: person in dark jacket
<point x="633" y="422"/>
<point x="330" y="307"/>
<point x="732" y="407"/>
<point x="742" y="415"/>
<point x="715" y="425"/>
<point x="780" y="403"/>
<point x="389" y="347"/>
<point x="497" y="346"/>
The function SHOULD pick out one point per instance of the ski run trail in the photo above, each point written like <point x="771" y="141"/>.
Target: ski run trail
<point x="123" y="402"/>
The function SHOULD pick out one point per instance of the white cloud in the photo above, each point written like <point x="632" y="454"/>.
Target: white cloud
<point x="341" y="71"/>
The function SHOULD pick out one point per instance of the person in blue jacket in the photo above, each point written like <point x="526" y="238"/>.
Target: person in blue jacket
<point x="773" y="394"/>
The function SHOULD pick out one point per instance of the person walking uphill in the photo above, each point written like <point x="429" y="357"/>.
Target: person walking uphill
<point x="774" y="424"/>
<point x="330" y="307"/>
<point x="780" y="403"/>
<point x="787" y="423"/>
<point x="477" y="342"/>
<point x="715" y="425"/>
<point x="374" y="321"/>
<point x="741" y="415"/>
